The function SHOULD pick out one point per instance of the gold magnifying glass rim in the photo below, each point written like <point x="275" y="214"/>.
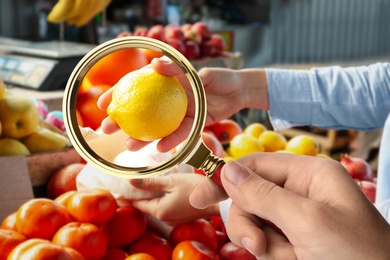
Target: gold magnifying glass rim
<point x="70" y="100"/>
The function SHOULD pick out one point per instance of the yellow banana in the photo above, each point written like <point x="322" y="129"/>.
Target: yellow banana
<point x="60" y="10"/>
<point x="95" y="7"/>
<point x="80" y="7"/>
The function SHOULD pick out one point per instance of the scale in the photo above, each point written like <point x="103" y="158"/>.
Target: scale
<point x="42" y="66"/>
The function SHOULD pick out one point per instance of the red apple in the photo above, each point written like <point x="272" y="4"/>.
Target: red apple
<point x="219" y="42"/>
<point x="207" y="49"/>
<point x="178" y="45"/>
<point x="173" y="31"/>
<point x="202" y="29"/>
<point x="141" y="32"/>
<point x="231" y="251"/>
<point x="123" y="34"/>
<point x="190" y="35"/>
<point x="156" y="32"/>
<point x="192" y="51"/>
<point x="368" y="188"/>
<point x="186" y="27"/>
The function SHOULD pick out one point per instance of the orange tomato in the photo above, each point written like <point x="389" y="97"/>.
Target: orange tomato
<point x="115" y="65"/>
<point x="153" y="245"/>
<point x="193" y="250"/>
<point x="127" y="225"/>
<point x="225" y="130"/>
<point x="9" y="222"/>
<point x="115" y="254"/>
<point x="64" y="198"/>
<point x="95" y="206"/>
<point x="41" y="218"/>
<point x="74" y="254"/>
<point x="63" y="180"/>
<point x="86" y="238"/>
<point x="9" y="239"/>
<point x="141" y="256"/>
<point x="34" y="249"/>
<point x="91" y="115"/>
<point x="79" y="118"/>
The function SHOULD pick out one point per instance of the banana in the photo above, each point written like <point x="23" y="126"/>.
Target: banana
<point x="80" y="7"/>
<point x="60" y="10"/>
<point x="95" y="7"/>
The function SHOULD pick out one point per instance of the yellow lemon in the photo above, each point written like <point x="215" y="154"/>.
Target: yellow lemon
<point x="242" y="145"/>
<point x="255" y="129"/>
<point x="147" y="105"/>
<point x="272" y="141"/>
<point x="303" y="144"/>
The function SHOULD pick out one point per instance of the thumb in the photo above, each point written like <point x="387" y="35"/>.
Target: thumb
<point x="260" y="197"/>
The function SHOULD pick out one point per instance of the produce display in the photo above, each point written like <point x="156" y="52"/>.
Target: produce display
<point x="27" y="127"/>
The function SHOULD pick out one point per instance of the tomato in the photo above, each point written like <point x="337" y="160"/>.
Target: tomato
<point x="127" y="225"/>
<point x="41" y="218"/>
<point x="153" y="245"/>
<point x="141" y="256"/>
<point x="9" y="239"/>
<point x="225" y="130"/>
<point x="9" y="222"/>
<point x="115" y="254"/>
<point x="231" y="251"/>
<point x="198" y="230"/>
<point x="86" y="238"/>
<point x="63" y="180"/>
<point x="193" y="250"/>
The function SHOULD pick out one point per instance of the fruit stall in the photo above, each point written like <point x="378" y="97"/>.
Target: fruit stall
<point x="53" y="201"/>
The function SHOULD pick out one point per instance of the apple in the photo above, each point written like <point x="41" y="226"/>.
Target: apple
<point x="231" y="251"/>
<point x="156" y="32"/>
<point x="178" y="45"/>
<point x="368" y="188"/>
<point x="192" y="51"/>
<point x="219" y="42"/>
<point x="9" y="146"/>
<point x="190" y="35"/>
<point x="123" y="34"/>
<point x="173" y="31"/>
<point x="202" y="29"/>
<point x="207" y="49"/>
<point x="186" y="27"/>
<point x="18" y="115"/>
<point x="141" y="32"/>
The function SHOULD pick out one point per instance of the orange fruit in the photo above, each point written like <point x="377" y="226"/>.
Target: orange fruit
<point x="272" y="141"/>
<point x="150" y="54"/>
<point x="225" y="130"/>
<point x="74" y="254"/>
<point x="9" y="222"/>
<point x="41" y="218"/>
<point x="115" y="65"/>
<point x="141" y="256"/>
<point x="126" y="226"/>
<point x="63" y="180"/>
<point x="95" y="206"/>
<point x="242" y="145"/>
<point x="148" y="105"/>
<point x="9" y="239"/>
<point x="91" y="115"/>
<point x="152" y="244"/>
<point x="85" y="238"/>
<point x="303" y="144"/>
<point x="115" y="254"/>
<point x="39" y="249"/>
<point x="193" y="250"/>
<point x="64" y="198"/>
<point x="255" y="129"/>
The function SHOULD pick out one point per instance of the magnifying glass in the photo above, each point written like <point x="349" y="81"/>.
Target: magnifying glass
<point x="100" y="151"/>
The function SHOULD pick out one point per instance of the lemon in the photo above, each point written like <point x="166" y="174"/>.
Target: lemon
<point x="303" y="144"/>
<point x="242" y="145"/>
<point x="147" y="105"/>
<point x="272" y="141"/>
<point x="255" y="129"/>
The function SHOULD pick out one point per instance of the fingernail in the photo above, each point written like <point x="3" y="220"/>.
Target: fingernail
<point x="247" y="243"/>
<point x="235" y="173"/>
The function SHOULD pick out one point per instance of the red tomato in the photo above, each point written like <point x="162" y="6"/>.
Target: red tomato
<point x="153" y="245"/>
<point x="222" y="238"/>
<point x="127" y="225"/>
<point x="193" y="250"/>
<point x="198" y="230"/>
<point x="225" y="130"/>
<point x="231" y="251"/>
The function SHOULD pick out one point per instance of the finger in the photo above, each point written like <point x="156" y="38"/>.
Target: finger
<point x="109" y="126"/>
<point x="206" y="193"/>
<point x="135" y="145"/>
<point x="152" y="184"/>
<point x="166" y="66"/>
<point x="278" y="247"/>
<point x="105" y="99"/>
<point x="263" y="198"/>
<point x="245" y="230"/>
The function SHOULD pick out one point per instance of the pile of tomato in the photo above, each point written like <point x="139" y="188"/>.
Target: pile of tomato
<point x="89" y="224"/>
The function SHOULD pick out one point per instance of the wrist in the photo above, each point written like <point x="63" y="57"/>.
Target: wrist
<point x="254" y="88"/>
